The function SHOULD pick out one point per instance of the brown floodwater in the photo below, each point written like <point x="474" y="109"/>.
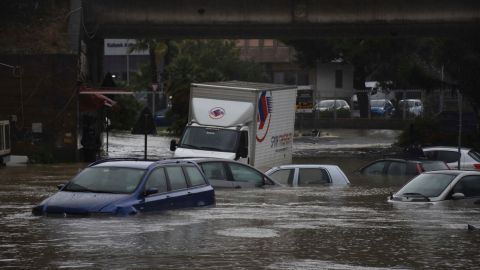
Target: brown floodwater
<point x="282" y="228"/>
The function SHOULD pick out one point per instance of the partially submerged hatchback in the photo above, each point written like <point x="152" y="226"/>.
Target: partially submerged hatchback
<point x="402" y="167"/>
<point x="441" y="186"/>
<point x="300" y="175"/>
<point x="128" y="186"/>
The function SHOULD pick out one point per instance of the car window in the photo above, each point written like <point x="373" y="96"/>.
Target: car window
<point x="312" y="176"/>
<point x="283" y="176"/>
<point x="469" y="186"/>
<point x="448" y="156"/>
<point x="397" y="168"/>
<point x="195" y="176"/>
<point x="243" y="173"/>
<point x="432" y="155"/>
<point x="434" y="166"/>
<point x="157" y="180"/>
<point x="214" y="170"/>
<point x="374" y="168"/>
<point x="176" y="178"/>
<point x="475" y="155"/>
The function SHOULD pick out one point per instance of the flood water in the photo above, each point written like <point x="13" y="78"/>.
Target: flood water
<point x="281" y="228"/>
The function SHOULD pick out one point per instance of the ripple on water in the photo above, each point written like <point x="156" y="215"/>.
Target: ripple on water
<point x="315" y="264"/>
<point x="249" y="232"/>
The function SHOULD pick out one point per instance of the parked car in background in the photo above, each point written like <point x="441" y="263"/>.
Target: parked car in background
<point x="402" y="167"/>
<point x="128" y="186"/>
<point x="161" y="119"/>
<point x="308" y="174"/>
<point x="412" y="107"/>
<point x="469" y="158"/>
<point x="440" y="186"/>
<point x="226" y="173"/>
<point x="381" y="107"/>
<point x="328" y="106"/>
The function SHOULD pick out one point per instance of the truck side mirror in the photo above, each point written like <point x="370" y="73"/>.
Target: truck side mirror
<point x="173" y="145"/>
<point x="243" y="152"/>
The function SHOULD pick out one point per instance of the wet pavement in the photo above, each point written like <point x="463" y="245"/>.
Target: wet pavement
<point x="280" y="228"/>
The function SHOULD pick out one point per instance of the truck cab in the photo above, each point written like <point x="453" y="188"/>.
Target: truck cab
<point x="212" y="141"/>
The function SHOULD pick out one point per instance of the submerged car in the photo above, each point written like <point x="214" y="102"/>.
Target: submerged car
<point x="381" y="107"/>
<point x="439" y="186"/>
<point x="126" y="187"/>
<point x="225" y="173"/>
<point x="469" y="158"/>
<point x="308" y="174"/>
<point x="402" y="167"/>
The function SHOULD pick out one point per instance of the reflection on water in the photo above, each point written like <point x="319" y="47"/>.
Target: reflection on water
<point x="285" y="228"/>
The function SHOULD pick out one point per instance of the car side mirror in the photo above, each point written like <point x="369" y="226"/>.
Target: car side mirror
<point x="151" y="191"/>
<point x="173" y="145"/>
<point x="60" y="186"/>
<point x="458" y="196"/>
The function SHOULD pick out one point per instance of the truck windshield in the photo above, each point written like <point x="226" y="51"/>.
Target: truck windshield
<point x="213" y="139"/>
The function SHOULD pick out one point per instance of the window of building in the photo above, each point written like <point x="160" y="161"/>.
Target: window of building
<point x="268" y="42"/>
<point x="253" y="43"/>
<point x="338" y="78"/>
<point x="240" y="42"/>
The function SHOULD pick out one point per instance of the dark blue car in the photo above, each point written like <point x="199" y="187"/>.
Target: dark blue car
<point x="381" y="107"/>
<point x="126" y="187"/>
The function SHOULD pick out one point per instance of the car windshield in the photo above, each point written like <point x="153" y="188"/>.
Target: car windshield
<point x="106" y="180"/>
<point x="409" y="103"/>
<point x="212" y="139"/>
<point x="329" y="103"/>
<point x="428" y="184"/>
<point x="377" y="103"/>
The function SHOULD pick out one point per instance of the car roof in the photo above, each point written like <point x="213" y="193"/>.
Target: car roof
<point x="136" y="164"/>
<point x="292" y="166"/>
<point x="446" y="148"/>
<point x="453" y="172"/>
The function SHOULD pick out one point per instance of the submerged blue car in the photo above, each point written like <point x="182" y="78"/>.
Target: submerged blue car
<point x="128" y="186"/>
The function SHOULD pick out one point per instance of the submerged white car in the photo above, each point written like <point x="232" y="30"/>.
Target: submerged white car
<point x="441" y="186"/>
<point x="308" y="174"/>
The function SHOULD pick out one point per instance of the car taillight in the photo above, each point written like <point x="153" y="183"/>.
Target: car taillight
<point x="476" y="166"/>
<point x="419" y="168"/>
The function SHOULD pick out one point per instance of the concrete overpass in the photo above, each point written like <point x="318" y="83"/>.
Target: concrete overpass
<point x="279" y="18"/>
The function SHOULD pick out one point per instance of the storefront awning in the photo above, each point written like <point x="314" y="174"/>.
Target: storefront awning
<point x="104" y="91"/>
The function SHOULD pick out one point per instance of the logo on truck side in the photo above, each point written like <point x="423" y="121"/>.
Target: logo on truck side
<point x="216" y="113"/>
<point x="264" y="115"/>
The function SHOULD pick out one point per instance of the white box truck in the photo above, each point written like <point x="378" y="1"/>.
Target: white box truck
<point x="249" y="122"/>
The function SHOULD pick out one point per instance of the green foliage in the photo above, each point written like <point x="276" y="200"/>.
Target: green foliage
<point x="123" y="115"/>
<point x="429" y="131"/>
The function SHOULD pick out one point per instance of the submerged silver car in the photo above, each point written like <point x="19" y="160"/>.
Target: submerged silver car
<point x="307" y="175"/>
<point x="441" y="186"/>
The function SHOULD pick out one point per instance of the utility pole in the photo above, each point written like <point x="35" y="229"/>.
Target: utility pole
<point x="459" y="127"/>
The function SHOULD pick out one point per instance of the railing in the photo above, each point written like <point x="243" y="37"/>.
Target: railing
<point x="5" y="145"/>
